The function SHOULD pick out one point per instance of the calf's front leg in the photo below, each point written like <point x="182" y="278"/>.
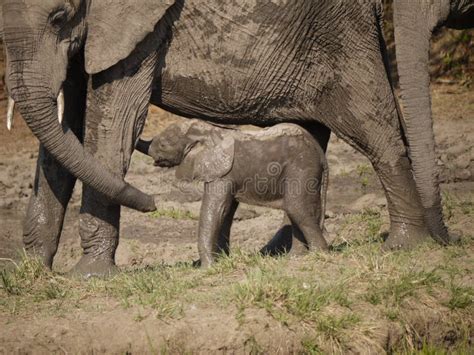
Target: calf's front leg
<point x="217" y="205"/>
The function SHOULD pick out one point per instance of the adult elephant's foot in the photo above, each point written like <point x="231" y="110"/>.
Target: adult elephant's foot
<point x="99" y="231"/>
<point x="89" y="267"/>
<point x="437" y="228"/>
<point x="406" y="236"/>
<point x="407" y="221"/>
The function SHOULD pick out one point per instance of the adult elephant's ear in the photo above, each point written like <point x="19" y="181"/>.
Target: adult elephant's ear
<point x="114" y="28"/>
<point x="208" y="163"/>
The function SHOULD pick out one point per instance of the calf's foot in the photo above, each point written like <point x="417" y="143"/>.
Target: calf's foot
<point x="206" y="262"/>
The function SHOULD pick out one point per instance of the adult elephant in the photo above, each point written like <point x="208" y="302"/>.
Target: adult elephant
<point x="260" y="62"/>
<point x="414" y="22"/>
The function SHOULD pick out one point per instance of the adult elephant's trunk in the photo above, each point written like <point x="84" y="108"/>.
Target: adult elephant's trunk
<point x="35" y="96"/>
<point x="413" y="30"/>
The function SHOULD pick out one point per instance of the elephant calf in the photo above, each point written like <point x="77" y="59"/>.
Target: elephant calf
<point x="281" y="167"/>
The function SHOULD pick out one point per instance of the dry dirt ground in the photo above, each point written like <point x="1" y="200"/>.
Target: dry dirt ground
<point x="355" y="299"/>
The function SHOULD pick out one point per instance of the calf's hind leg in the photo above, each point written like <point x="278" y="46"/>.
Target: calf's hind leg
<point x="284" y="240"/>
<point x="304" y="210"/>
<point x="223" y="244"/>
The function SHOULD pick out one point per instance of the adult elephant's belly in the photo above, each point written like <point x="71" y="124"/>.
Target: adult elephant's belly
<point x="241" y="64"/>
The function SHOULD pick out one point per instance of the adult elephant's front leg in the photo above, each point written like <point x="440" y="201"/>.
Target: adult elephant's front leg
<point x="114" y="120"/>
<point x="53" y="184"/>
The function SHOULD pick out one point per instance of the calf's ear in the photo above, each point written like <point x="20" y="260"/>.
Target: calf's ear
<point x="114" y="28"/>
<point x="209" y="163"/>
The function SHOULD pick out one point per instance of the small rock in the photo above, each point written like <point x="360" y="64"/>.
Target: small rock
<point x="367" y="201"/>
<point x="444" y="157"/>
<point x="457" y="150"/>
<point x="243" y="214"/>
<point x="329" y="214"/>
<point x="462" y="162"/>
<point x="462" y="175"/>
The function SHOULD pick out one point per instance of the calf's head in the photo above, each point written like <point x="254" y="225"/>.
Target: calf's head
<point x="201" y="151"/>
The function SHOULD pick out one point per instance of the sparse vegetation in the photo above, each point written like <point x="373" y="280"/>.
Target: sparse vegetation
<point x="334" y="298"/>
<point x="461" y="297"/>
<point x="172" y="213"/>
<point x="360" y="229"/>
<point x="364" y="171"/>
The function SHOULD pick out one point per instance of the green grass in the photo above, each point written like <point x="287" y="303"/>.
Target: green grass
<point x="159" y="288"/>
<point x="173" y="213"/>
<point x="360" y="229"/>
<point x="283" y="295"/>
<point x="311" y="346"/>
<point x="23" y="278"/>
<point x="462" y="297"/>
<point x="364" y="171"/>
<point x="393" y="290"/>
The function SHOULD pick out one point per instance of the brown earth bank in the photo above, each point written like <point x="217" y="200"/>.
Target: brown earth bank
<point x="355" y="299"/>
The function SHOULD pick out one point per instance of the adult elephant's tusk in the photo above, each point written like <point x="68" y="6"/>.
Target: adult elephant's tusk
<point x="60" y="103"/>
<point x="10" y="112"/>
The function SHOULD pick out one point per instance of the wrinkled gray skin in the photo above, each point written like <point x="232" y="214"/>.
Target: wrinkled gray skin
<point x="281" y="167"/>
<point x="415" y="21"/>
<point x="259" y="62"/>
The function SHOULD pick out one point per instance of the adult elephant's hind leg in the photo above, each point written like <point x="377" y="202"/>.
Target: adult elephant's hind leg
<point x="369" y="121"/>
<point x="407" y="223"/>
<point x="114" y="120"/>
<point x="380" y="138"/>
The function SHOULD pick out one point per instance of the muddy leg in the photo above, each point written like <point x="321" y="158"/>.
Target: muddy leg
<point x="53" y="184"/>
<point x="217" y="203"/>
<point x="407" y="224"/>
<point x="284" y="241"/>
<point x="43" y="223"/>
<point x="306" y="230"/>
<point x="223" y="244"/>
<point x="388" y="155"/>
<point x="369" y="121"/>
<point x="114" y="120"/>
<point x="288" y="240"/>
